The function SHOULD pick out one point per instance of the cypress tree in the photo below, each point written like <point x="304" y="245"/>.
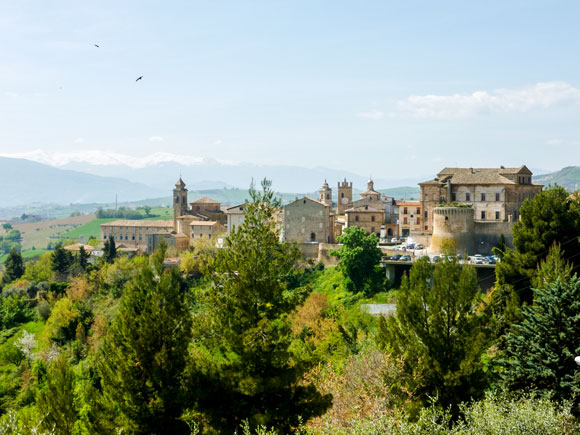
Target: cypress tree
<point x="110" y="250"/>
<point x="61" y="261"/>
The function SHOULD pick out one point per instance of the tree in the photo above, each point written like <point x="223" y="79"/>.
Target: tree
<point x="359" y="259"/>
<point x="83" y="258"/>
<point x="7" y="226"/>
<point x="541" y="349"/>
<point x="14" y="266"/>
<point x="61" y="261"/>
<point x="57" y="399"/>
<point x="550" y="217"/>
<point x="109" y="250"/>
<point x="147" y="210"/>
<point x="245" y="352"/>
<point x="438" y="333"/>
<point x="144" y="355"/>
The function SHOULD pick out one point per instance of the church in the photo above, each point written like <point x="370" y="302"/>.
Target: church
<point x="203" y="218"/>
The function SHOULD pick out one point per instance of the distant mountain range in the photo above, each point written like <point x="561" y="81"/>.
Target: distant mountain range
<point x="26" y="182"/>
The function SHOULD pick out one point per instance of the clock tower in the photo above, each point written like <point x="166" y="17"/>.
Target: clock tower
<point x="344" y="199"/>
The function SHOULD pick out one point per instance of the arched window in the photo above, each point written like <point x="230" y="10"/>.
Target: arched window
<point x="342" y="194"/>
<point x="312" y="237"/>
<point x="390" y="232"/>
<point x="177" y="199"/>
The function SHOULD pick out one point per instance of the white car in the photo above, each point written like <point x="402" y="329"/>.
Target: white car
<point x="395" y="240"/>
<point x="419" y="246"/>
<point x="477" y="259"/>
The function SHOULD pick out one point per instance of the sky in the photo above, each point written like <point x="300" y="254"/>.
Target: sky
<point x="386" y="88"/>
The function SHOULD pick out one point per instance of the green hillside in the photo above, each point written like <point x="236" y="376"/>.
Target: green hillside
<point x="407" y="192"/>
<point x="568" y="177"/>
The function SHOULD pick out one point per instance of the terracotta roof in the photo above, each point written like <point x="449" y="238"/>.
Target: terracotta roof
<point x="139" y="223"/>
<point x="478" y="175"/>
<point x="204" y="200"/>
<point x="203" y="223"/>
<point x="417" y="203"/>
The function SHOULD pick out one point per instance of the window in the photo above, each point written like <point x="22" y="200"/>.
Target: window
<point x="418" y="210"/>
<point x="497" y="196"/>
<point x="512" y="177"/>
<point x="483" y="196"/>
<point x="126" y="236"/>
<point x="356" y="218"/>
<point x="177" y="199"/>
<point x="140" y="237"/>
<point x="441" y="199"/>
<point x="467" y="196"/>
<point x="312" y="237"/>
<point x="132" y="236"/>
<point x="426" y="214"/>
<point x="497" y="215"/>
<point x="453" y="196"/>
<point x="372" y="229"/>
<point x="405" y="211"/>
<point x="418" y="221"/>
<point x="342" y="194"/>
<point x="372" y="220"/>
<point x="426" y="197"/>
<point x="483" y="215"/>
<point x="405" y="221"/>
<point x="105" y="236"/>
<point x="327" y="196"/>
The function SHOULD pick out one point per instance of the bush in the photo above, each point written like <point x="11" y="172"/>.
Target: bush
<point x="43" y="310"/>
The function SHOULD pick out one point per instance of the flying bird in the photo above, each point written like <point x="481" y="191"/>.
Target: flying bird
<point x="96" y="45"/>
<point x="139" y="78"/>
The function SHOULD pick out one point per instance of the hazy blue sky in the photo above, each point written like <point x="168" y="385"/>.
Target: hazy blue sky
<point x="377" y="87"/>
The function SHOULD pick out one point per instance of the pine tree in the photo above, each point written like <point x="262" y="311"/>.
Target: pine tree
<point x="61" y="261"/>
<point x="550" y="217"/>
<point x="14" y="266"/>
<point x="56" y="399"/>
<point x="83" y="258"/>
<point x="144" y="354"/>
<point x="110" y="250"/>
<point x="245" y="331"/>
<point x="541" y="349"/>
<point x="438" y="333"/>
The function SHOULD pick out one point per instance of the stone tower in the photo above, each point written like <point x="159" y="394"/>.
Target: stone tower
<point x="325" y="194"/>
<point x="179" y="201"/>
<point x="344" y="200"/>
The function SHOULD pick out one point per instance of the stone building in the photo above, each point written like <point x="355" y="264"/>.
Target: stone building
<point x="370" y="193"/>
<point x="205" y="229"/>
<point x="208" y="208"/>
<point x="307" y="220"/>
<point x="234" y="217"/>
<point x="133" y="233"/>
<point x="409" y="217"/>
<point x="344" y="199"/>
<point x="366" y="217"/>
<point x="495" y="194"/>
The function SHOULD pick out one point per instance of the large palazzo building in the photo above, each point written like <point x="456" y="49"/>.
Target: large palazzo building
<point x="495" y="194"/>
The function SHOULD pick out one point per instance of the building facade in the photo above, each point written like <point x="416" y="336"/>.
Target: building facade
<point x="344" y="199"/>
<point x="409" y="217"/>
<point x="366" y="217"/>
<point x="495" y="194"/>
<point x="133" y="233"/>
<point x="308" y="220"/>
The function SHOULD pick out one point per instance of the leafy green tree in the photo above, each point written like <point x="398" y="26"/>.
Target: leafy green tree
<point x="550" y="217"/>
<point x="541" y="349"/>
<point x="56" y="400"/>
<point x="13" y="266"/>
<point x="438" y="333"/>
<point x="109" y="250"/>
<point x="245" y="332"/>
<point x="83" y="258"/>
<point x="359" y="259"/>
<point x="7" y="226"/>
<point x="13" y="235"/>
<point x="144" y="355"/>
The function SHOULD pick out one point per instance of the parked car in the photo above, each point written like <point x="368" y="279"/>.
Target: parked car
<point x="396" y="257"/>
<point x="460" y="256"/>
<point x="411" y="246"/>
<point x="405" y="258"/>
<point x="419" y="246"/>
<point x="436" y="258"/>
<point x="477" y="259"/>
<point x="491" y="259"/>
<point x="395" y="240"/>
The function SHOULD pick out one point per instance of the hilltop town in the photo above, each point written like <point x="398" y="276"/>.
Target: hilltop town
<point x="472" y="207"/>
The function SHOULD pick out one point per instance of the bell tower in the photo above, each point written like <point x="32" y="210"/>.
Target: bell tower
<point x="179" y="201"/>
<point x="344" y="200"/>
<point x="325" y="194"/>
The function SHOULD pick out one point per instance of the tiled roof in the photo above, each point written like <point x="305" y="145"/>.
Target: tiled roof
<point x="364" y="208"/>
<point x="204" y="200"/>
<point x="203" y="223"/>
<point x="478" y="175"/>
<point x="139" y="223"/>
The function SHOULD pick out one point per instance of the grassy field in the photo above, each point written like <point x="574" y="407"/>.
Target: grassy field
<point x="26" y="254"/>
<point x="160" y="213"/>
<point x="92" y="228"/>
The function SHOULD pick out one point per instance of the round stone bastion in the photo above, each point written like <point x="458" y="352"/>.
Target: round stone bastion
<point x="453" y="225"/>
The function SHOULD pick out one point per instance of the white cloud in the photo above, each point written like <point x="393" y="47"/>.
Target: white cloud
<point x="375" y="115"/>
<point x="156" y="139"/>
<point x="79" y="140"/>
<point x="541" y="95"/>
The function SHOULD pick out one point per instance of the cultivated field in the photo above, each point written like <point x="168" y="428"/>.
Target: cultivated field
<point x="39" y="234"/>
